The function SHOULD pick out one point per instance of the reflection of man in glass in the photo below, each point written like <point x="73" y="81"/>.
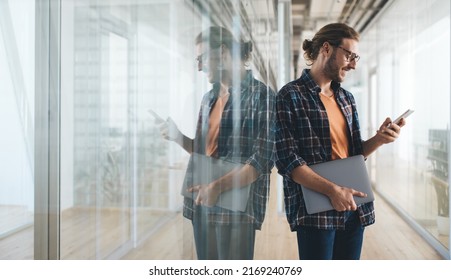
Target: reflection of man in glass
<point x="235" y="123"/>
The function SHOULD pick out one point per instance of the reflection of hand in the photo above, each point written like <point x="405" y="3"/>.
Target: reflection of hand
<point x="169" y="129"/>
<point x="207" y="194"/>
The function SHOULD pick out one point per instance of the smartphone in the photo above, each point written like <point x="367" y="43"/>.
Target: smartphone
<point x="403" y="115"/>
<point x="156" y="116"/>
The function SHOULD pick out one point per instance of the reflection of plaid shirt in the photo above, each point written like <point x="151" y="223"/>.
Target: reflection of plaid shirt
<point x="246" y="135"/>
<point x="303" y="137"/>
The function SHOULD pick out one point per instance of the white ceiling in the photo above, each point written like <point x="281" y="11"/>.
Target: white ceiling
<point x="260" y="18"/>
<point x="310" y="15"/>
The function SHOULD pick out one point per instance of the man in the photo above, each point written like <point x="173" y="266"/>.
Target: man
<point x="316" y="122"/>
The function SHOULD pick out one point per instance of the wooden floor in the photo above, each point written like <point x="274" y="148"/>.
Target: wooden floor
<point x="389" y="239"/>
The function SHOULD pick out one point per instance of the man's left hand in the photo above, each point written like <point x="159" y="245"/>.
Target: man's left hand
<point x="388" y="132"/>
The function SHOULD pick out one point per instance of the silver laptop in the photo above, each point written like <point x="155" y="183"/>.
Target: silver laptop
<point x="203" y="169"/>
<point x="349" y="172"/>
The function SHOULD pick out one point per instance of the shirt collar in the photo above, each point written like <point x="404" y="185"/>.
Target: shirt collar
<point x="312" y="86"/>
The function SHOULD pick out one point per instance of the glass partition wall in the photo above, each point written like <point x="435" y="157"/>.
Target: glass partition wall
<point x="17" y="77"/>
<point x="120" y="179"/>
<point x="92" y="176"/>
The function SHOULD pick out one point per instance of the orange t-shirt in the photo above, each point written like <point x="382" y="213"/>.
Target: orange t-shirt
<point x="214" y="124"/>
<point x="338" y="128"/>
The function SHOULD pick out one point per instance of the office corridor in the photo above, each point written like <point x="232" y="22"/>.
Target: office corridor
<point x="86" y="173"/>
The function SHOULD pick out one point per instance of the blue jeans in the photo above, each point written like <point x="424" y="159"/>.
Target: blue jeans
<point x="222" y="242"/>
<point x="320" y="244"/>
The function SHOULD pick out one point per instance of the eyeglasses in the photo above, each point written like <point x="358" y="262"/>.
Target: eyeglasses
<point x="204" y="56"/>
<point x="350" y="56"/>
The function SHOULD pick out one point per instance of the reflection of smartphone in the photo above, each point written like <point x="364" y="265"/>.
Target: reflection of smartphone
<point x="156" y="116"/>
<point x="404" y="115"/>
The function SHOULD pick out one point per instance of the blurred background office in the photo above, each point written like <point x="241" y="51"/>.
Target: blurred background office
<point x="84" y="173"/>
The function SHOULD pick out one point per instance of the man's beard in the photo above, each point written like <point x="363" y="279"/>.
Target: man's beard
<point x="331" y="70"/>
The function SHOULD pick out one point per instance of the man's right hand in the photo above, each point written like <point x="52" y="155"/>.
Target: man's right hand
<point x="342" y="198"/>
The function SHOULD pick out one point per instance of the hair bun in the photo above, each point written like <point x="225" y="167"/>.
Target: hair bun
<point x="307" y="44"/>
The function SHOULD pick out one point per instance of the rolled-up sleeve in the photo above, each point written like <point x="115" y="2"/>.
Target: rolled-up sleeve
<point x="287" y="154"/>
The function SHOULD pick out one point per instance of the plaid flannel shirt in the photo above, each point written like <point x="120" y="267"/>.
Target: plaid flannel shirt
<point x="303" y="137"/>
<point x="246" y="135"/>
